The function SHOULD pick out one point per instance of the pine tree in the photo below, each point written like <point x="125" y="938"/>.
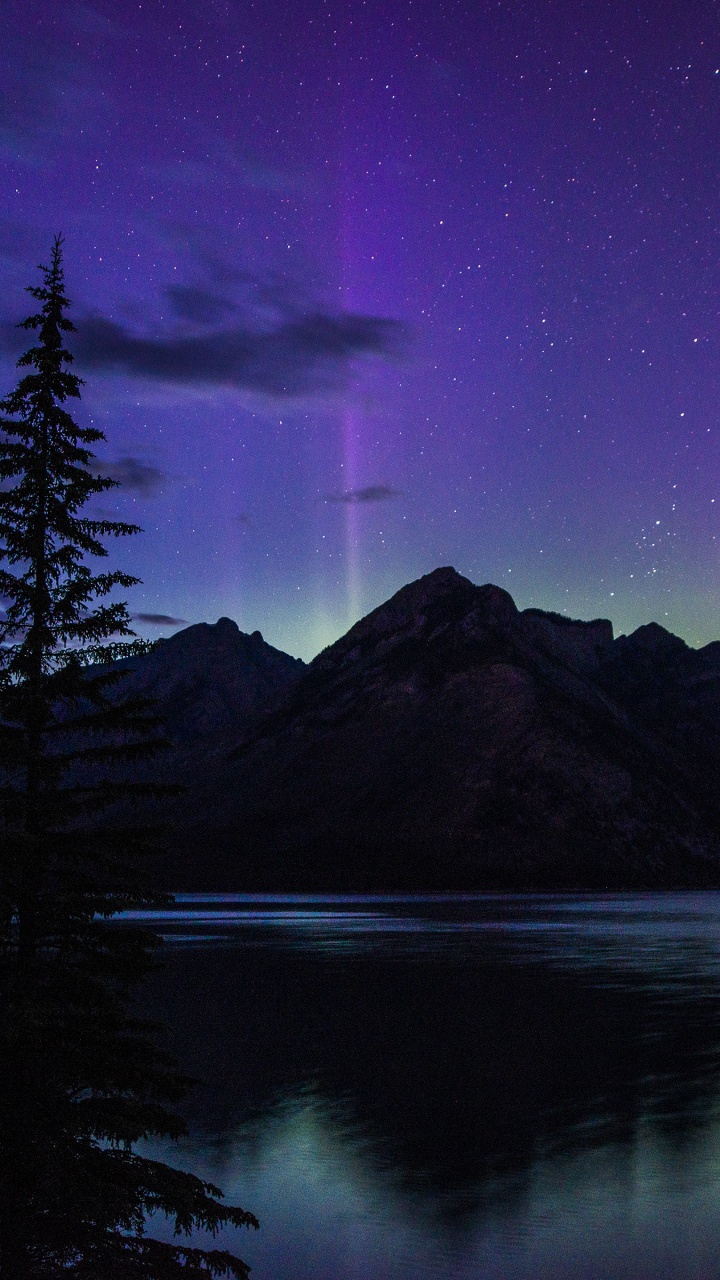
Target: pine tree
<point x="81" y="1080"/>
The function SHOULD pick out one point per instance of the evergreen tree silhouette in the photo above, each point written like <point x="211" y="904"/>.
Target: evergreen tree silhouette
<point x="81" y="1080"/>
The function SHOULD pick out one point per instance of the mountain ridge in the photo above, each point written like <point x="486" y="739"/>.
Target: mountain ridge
<point x="449" y="740"/>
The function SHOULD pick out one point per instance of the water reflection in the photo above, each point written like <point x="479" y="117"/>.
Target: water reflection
<point x="451" y="1087"/>
<point x="659" y="936"/>
<point x="332" y="1208"/>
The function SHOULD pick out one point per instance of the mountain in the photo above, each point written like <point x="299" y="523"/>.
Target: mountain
<point x="210" y="682"/>
<point x="451" y="741"/>
<point x="673" y="691"/>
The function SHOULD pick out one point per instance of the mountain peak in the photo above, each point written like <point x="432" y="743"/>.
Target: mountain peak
<point x="417" y="609"/>
<point x="654" y="637"/>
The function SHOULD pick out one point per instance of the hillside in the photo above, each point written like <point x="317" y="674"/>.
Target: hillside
<point x="451" y="741"/>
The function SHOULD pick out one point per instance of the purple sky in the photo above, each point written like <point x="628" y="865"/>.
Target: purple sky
<point x="366" y="288"/>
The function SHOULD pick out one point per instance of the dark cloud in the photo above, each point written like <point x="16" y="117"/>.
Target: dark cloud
<point x="244" y="520"/>
<point x="301" y="354"/>
<point x="21" y="243"/>
<point x="13" y="339"/>
<point x="373" y="493"/>
<point x="132" y="473"/>
<point x="198" y="305"/>
<point x="159" y="619"/>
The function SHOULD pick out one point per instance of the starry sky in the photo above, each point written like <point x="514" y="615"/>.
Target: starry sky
<point x="367" y="287"/>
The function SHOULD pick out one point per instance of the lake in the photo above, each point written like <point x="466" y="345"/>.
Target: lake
<point x="485" y="1086"/>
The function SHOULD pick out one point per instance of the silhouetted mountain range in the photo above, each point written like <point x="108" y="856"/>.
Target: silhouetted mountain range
<point x="447" y="741"/>
<point x="210" y="683"/>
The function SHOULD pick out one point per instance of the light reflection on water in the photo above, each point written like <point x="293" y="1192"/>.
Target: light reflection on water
<point x="532" y="1094"/>
<point x="331" y="1210"/>
<point x="665" y="938"/>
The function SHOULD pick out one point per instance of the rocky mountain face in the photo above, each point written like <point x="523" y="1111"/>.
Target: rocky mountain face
<point x="673" y="691"/>
<point x="210" y="683"/>
<point x="448" y="741"/>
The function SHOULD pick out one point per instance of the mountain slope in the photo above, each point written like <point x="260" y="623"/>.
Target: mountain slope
<point x="210" y="682"/>
<point x="449" y="741"/>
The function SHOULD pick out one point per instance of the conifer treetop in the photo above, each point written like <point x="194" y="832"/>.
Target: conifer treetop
<point x="47" y="478"/>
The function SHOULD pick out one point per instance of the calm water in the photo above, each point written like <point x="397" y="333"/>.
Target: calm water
<point x="494" y="1086"/>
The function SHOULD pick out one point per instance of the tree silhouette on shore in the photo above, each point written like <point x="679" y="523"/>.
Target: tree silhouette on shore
<point x="81" y="1080"/>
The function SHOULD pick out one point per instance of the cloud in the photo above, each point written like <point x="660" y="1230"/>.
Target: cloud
<point x="223" y="165"/>
<point x="373" y="493"/>
<point x="13" y="339"/>
<point x="265" y="177"/>
<point x="51" y="89"/>
<point x="21" y="243"/>
<point x="302" y="353"/>
<point x="131" y="473"/>
<point x="198" y="305"/>
<point x="159" y="619"/>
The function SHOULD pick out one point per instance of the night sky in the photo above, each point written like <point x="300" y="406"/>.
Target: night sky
<point x="367" y="288"/>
